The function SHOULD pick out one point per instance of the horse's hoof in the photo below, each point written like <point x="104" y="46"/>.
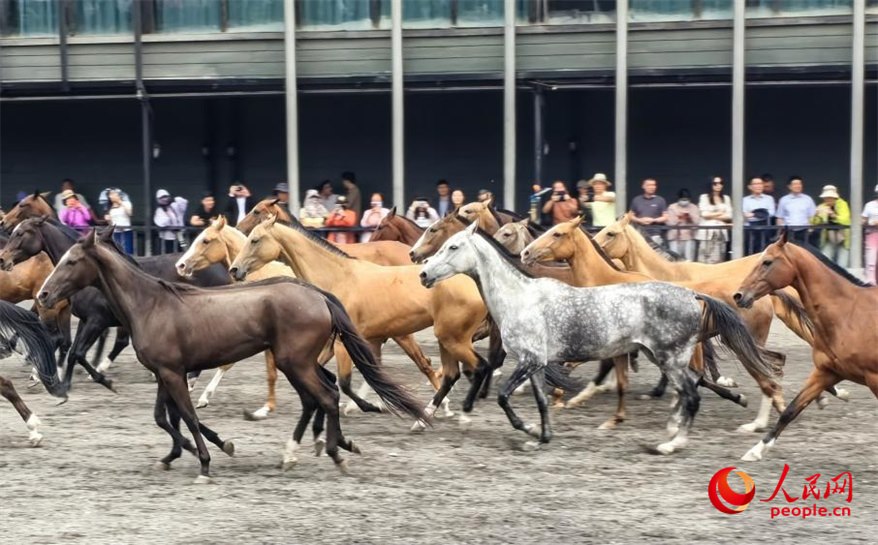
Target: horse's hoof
<point x="258" y="414"/>
<point x="530" y="446"/>
<point x="161" y="466"/>
<point x="758" y="451"/>
<point x="822" y="402"/>
<point x="665" y="448"/>
<point x="349" y="408"/>
<point x="728" y="382"/>
<point x="646" y="397"/>
<point x="289" y="464"/>
<point x="354" y="448"/>
<point x="418" y="426"/>
<point x="35" y="438"/>
<point x="229" y="448"/>
<point x="842" y="394"/>
<point x="343" y="468"/>
<point x="464" y="421"/>
<point x="62" y="401"/>
<point x="532" y="430"/>
<point x="608" y="425"/>
<point x="319" y="445"/>
<point x="203" y="479"/>
<point x="202" y="403"/>
<point x="752" y="427"/>
<point x="742" y="400"/>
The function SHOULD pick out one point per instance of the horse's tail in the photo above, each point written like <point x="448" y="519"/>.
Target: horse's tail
<point x="396" y="397"/>
<point x="790" y="310"/>
<point x="720" y="319"/>
<point x="22" y="331"/>
<point x="558" y="376"/>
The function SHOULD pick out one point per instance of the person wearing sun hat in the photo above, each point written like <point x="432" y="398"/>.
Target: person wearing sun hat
<point x="870" y="255"/>
<point x="834" y="243"/>
<point x="602" y="204"/>
<point x="341" y="216"/>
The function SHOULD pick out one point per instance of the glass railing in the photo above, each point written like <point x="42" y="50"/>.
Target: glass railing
<point x="798" y="8"/>
<point x="679" y="10"/>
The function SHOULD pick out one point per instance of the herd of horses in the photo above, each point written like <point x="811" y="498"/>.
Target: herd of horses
<point x="552" y="299"/>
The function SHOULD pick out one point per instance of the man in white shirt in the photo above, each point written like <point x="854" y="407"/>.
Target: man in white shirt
<point x="758" y="210"/>
<point x="239" y="204"/>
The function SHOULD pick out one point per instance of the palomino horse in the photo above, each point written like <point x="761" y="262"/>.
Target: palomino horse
<point x="21" y="331"/>
<point x="398" y="228"/>
<point x="221" y="244"/>
<point x="842" y="309"/>
<point x="384" y="302"/>
<point x="545" y="321"/>
<point x="620" y="240"/>
<point x="292" y="319"/>
<point x="389" y="253"/>
<point x="514" y="236"/>
<point x="591" y="267"/>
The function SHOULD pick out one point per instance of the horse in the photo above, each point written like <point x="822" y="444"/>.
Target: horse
<point x="384" y="302"/>
<point x="21" y="331"/>
<point x="219" y="243"/>
<point x="386" y="252"/>
<point x="294" y="320"/>
<point x="514" y="236"/>
<point x="398" y="228"/>
<point x="842" y="310"/>
<point x="544" y="321"/>
<point x="620" y="240"/>
<point x="32" y="206"/>
<point x="591" y="267"/>
<point x="33" y="236"/>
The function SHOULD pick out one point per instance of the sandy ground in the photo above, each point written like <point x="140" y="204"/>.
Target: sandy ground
<point x="92" y="480"/>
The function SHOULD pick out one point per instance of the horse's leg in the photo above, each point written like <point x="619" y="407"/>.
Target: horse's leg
<point x="450" y="374"/>
<point x="271" y="383"/>
<point x="99" y="351"/>
<point x="208" y="392"/>
<point x="345" y="366"/>
<point x="819" y="380"/>
<point x="86" y="334"/>
<point x="496" y="357"/>
<point x="589" y="391"/>
<point x="31" y="420"/>
<point x="62" y="321"/>
<point x="525" y="368"/>
<point x="621" y="364"/>
<point x="658" y="390"/>
<point x="538" y="384"/>
<point x="122" y="340"/>
<point x="482" y="371"/>
<point x="684" y="381"/>
<point x="294" y="443"/>
<point x="175" y="382"/>
<point x="413" y="350"/>
<point x="160" y="414"/>
<point x="723" y="392"/>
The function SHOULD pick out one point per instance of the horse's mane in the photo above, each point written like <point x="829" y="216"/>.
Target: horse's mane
<point x="515" y="215"/>
<point x="70" y="233"/>
<point x="841" y="271"/>
<point x="296" y="225"/>
<point x="411" y="222"/>
<point x="507" y="256"/>
<point x="666" y="253"/>
<point x="600" y="251"/>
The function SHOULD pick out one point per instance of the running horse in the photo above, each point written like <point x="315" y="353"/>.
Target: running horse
<point x="544" y="321"/>
<point x="398" y="228"/>
<point x="21" y="331"/>
<point x="844" y="312"/>
<point x="32" y="206"/>
<point x="292" y="319"/>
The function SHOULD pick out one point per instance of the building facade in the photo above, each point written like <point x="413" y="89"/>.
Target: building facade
<point x="188" y="95"/>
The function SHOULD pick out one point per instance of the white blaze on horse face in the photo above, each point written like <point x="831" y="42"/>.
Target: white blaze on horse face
<point x="62" y="261"/>
<point x="417" y="245"/>
<point x="451" y="259"/>
<point x="189" y="254"/>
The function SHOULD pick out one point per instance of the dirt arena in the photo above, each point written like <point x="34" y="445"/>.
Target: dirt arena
<point x="92" y="480"/>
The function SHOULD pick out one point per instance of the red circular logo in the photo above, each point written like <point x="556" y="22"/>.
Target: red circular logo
<point x="724" y="498"/>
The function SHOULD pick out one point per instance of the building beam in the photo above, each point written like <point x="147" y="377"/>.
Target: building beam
<point x="738" y="90"/>
<point x="509" y="106"/>
<point x="292" y="105"/>
<point x="858" y="68"/>
<point x="621" y="131"/>
<point x="398" y="107"/>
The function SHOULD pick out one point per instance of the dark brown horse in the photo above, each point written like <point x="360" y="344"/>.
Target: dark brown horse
<point x="32" y="206"/>
<point x="188" y="328"/>
<point x="398" y="228"/>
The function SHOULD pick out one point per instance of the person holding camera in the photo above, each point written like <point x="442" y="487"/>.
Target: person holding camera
<point x="561" y="205"/>
<point x="341" y="216"/>
<point x="119" y="213"/>
<point x="422" y="213"/>
<point x="683" y="213"/>
<point x="834" y="211"/>
<point x="239" y="204"/>
<point x="170" y="213"/>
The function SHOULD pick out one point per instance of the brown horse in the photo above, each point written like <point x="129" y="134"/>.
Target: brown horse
<point x="399" y="228"/>
<point x="591" y="268"/>
<point x="292" y="319"/>
<point x="843" y="311"/>
<point x="220" y="243"/>
<point x="32" y="206"/>
<point x="389" y="253"/>
<point x="514" y="236"/>
<point x="22" y="331"/>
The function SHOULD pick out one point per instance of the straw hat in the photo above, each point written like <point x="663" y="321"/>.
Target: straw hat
<point x="599" y="177"/>
<point x="829" y="191"/>
<point x="66" y="194"/>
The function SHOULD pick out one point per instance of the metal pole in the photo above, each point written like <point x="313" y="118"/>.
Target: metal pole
<point x="621" y="107"/>
<point x="509" y="106"/>
<point x="397" y="104"/>
<point x="738" y="77"/>
<point x="857" y="115"/>
<point x="292" y="105"/>
<point x="539" y="134"/>
<point x="62" y="45"/>
<point x="145" y="122"/>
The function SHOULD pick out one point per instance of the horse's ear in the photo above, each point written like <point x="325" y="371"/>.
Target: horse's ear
<point x="392" y="213"/>
<point x="273" y="202"/>
<point x="90" y="238"/>
<point x="783" y="237"/>
<point x="524" y="222"/>
<point x="220" y="222"/>
<point x="473" y="227"/>
<point x="576" y="222"/>
<point x="36" y="192"/>
<point x="489" y="203"/>
<point x="271" y="219"/>
<point x="626" y="218"/>
<point x="106" y="235"/>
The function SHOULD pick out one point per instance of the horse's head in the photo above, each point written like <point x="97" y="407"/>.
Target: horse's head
<point x="32" y="206"/>
<point x="434" y="236"/>
<point x="387" y="229"/>
<point x="556" y="244"/>
<point x="207" y="248"/>
<point x="614" y="239"/>
<point x="261" y="248"/>
<point x="457" y="255"/>
<point x="77" y="269"/>
<point x="514" y="236"/>
<point x="25" y="242"/>
<point x="775" y="270"/>
<point x="481" y="211"/>
<point x="263" y="209"/>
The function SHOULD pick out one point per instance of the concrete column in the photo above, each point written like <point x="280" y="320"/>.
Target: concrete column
<point x="509" y="107"/>
<point x="857" y="119"/>
<point x="292" y="105"/>
<point x="621" y="174"/>
<point x="738" y="90"/>
<point x="398" y="119"/>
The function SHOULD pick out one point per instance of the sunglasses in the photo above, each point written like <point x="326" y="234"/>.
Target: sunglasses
<point x="717" y="183"/>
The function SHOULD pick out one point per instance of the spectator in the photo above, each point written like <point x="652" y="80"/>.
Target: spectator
<point x="758" y="209"/>
<point x="239" y="204"/>
<point x="537" y="200"/>
<point x="768" y="186"/>
<point x="373" y="216"/>
<point x="67" y="185"/>
<point x="354" y="200"/>
<point x="104" y="198"/>
<point x="313" y="211"/>
<point x="796" y="209"/>
<point x="649" y="209"/>
<point x="443" y="198"/>
<point x="422" y="213"/>
<point x="834" y="243"/>
<point x="171" y="214"/>
<point x="119" y="212"/>
<point x="870" y="220"/>
<point x="716" y="210"/>
<point x="327" y="195"/>
<point x="485" y="195"/>
<point x="457" y="199"/>
<point x="602" y="203"/>
<point x="281" y="192"/>
<point x="683" y="213"/>
<point x="583" y="196"/>
<point x="73" y="213"/>
<point x="561" y="205"/>
<point x="206" y="212"/>
<point x="341" y="216"/>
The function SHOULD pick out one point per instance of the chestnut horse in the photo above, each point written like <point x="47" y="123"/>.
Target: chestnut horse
<point x="843" y="311"/>
<point x="196" y="331"/>
<point x="398" y="228"/>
